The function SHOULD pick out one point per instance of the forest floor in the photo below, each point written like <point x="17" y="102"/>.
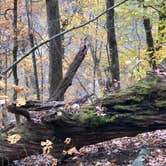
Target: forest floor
<point x="123" y="151"/>
<point x="116" y="152"/>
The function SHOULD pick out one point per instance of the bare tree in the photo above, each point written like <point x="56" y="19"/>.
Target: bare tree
<point x="55" y="46"/>
<point x="31" y="38"/>
<point x="15" y="50"/>
<point x="112" y="44"/>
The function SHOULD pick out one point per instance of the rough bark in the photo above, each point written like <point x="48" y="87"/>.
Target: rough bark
<point x="138" y="109"/>
<point x="55" y="47"/>
<point x="30" y="143"/>
<point x="31" y="38"/>
<point x="111" y="38"/>
<point x="10" y="152"/>
<point x="149" y="41"/>
<point x="15" y="49"/>
<point x="161" y="25"/>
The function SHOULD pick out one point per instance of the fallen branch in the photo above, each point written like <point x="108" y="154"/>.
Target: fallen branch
<point x="7" y="127"/>
<point x="19" y="111"/>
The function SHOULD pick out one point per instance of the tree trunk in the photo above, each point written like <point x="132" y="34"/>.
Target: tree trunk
<point x="161" y="25"/>
<point x="55" y="47"/>
<point x="111" y="37"/>
<point x="149" y="41"/>
<point x="31" y="38"/>
<point x="15" y="49"/>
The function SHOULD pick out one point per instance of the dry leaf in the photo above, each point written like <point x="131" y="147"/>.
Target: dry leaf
<point x="2" y="85"/>
<point x="72" y="151"/>
<point x="20" y="101"/>
<point x="55" y="162"/>
<point x="43" y="143"/>
<point x="67" y="141"/>
<point x="18" y="89"/>
<point x="14" y="138"/>
<point x="47" y="146"/>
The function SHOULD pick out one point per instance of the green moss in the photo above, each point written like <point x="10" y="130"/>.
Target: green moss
<point x="22" y="130"/>
<point x="126" y="107"/>
<point x="144" y="86"/>
<point x="136" y="98"/>
<point x="160" y="103"/>
<point x="3" y="137"/>
<point x="90" y="119"/>
<point x="88" y="108"/>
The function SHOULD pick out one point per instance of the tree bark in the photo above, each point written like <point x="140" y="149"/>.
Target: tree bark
<point x="10" y="152"/>
<point x="31" y="38"/>
<point x="111" y="38"/>
<point x="15" y="49"/>
<point x="55" y="47"/>
<point x="149" y="40"/>
<point x="161" y="24"/>
<point x="138" y="109"/>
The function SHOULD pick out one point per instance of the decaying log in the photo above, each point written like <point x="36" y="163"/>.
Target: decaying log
<point x="43" y="106"/>
<point x="19" y="111"/>
<point x="7" y="127"/>
<point x="10" y="152"/>
<point x="29" y="144"/>
<point x="137" y="109"/>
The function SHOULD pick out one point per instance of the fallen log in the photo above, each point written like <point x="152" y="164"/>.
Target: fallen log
<point x="7" y="127"/>
<point x="29" y="144"/>
<point x="47" y="105"/>
<point x="11" y="152"/>
<point x="137" y="109"/>
<point x="128" y="112"/>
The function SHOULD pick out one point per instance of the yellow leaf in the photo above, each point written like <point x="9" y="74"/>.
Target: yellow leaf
<point x="72" y="151"/>
<point x="44" y="150"/>
<point x="67" y="141"/>
<point x="48" y="142"/>
<point x="47" y="146"/>
<point x="13" y="138"/>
